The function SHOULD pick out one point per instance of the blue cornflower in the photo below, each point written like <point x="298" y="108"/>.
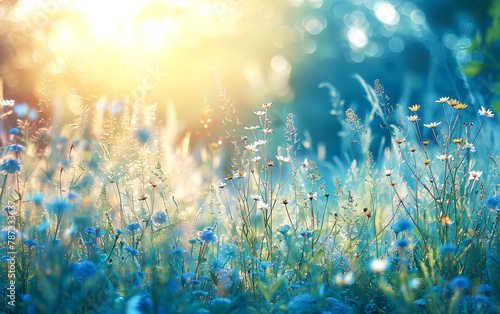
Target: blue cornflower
<point x="159" y="217"/>
<point x="133" y="226"/>
<point x="284" y="229"/>
<point x="306" y="233"/>
<point x="200" y="293"/>
<point x="207" y="236"/>
<point x="57" y="206"/>
<point x="460" y="283"/>
<point x="37" y="198"/>
<point x="448" y="248"/>
<point x="420" y="302"/>
<point x="401" y="243"/>
<point x="177" y="251"/>
<point x="143" y="135"/>
<point x="14" y="131"/>
<point x="16" y="147"/>
<point x="484" y="288"/>
<point x="131" y="251"/>
<point x="98" y="232"/>
<point x="188" y="275"/>
<point x="10" y="166"/>
<point x="9" y="209"/>
<point x="72" y="196"/>
<point x="30" y="243"/>
<point x="89" y="230"/>
<point x="402" y="225"/>
<point x="193" y="241"/>
<point x="493" y="202"/>
<point x="83" y="269"/>
<point x="118" y="232"/>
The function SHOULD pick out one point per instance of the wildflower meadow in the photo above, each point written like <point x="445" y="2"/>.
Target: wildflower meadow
<point x="115" y="204"/>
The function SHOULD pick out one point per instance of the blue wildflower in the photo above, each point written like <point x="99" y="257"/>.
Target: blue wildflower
<point x="143" y="135"/>
<point x="448" y="248"/>
<point x="493" y="202"/>
<point x="177" y="251"/>
<point x="401" y="243"/>
<point x="481" y="299"/>
<point x="402" y="225"/>
<point x="484" y="288"/>
<point x="193" y="241"/>
<point x="57" y="206"/>
<point x="30" y="243"/>
<point x="419" y="302"/>
<point x="37" y="198"/>
<point x="118" y="232"/>
<point x="72" y="196"/>
<point x="200" y="293"/>
<point x="131" y="251"/>
<point x="4" y="259"/>
<point x="14" y="131"/>
<point x="9" y="209"/>
<point x="16" y="147"/>
<point x="188" y="275"/>
<point x="83" y="269"/>
<point x="220" y="305"/>
<point x="302" y="303"/>
<point x="460" y="283"/>
<point x="308" y="234"/>
<point x="284" y="229"/>
<point x="207" y="236"/>
<point x="159" y="217"/>
<point x="133" y="226"/>
<point x="10" y="166"/>
<point x="89" y="230"/>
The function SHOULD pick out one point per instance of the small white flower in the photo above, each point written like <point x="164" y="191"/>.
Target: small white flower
<point x="7" y="103"/>
<point x="252" y="148"/>
<point x="442" y="99"/>
<point x="259" y="143"/>
<point x="239" y="174"/>
<point x="256" y="158"/>
<point x="432" y="125"/>
<point x="251" y="128"/>
<point x="266" y="105"/>
<point x="262" y="205"/>
<point x="283" y="159"/>
<point x="413" y="118"/>
<point x="256" y="197"/>
<point x="379" y="265"/>
<point x="260" y="113"/>
<point x="388" y="172"/>
<point x="312" y="195"/>
<point x="487" y="113"/>
<point x="470" y="146"/>
<point x="222" y="185"/>
<point x="344" y="280"/>
<point x="267" y="131"/>
<point x="444" y="157"/>
<point x="305" y="163"/>
<point x="474" y="175"/>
